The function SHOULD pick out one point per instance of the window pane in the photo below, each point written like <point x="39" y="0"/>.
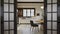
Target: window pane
<point x="11" y="16"/>
<point x="54" y="16"/>
<point x="11" y="1"/>
<point x="54" y="32"/>
<point x="6" y="32"/>
<point x="5" y="7"/>
<point x="32" y="12"/>
<point x="24" y="12"/>
<point x="6" y="16"/>
<point x="48" y="8"/>
<point x="54" y="7"/>
<point x="11" y="25"/>
<point x="48" y="31"/>
<point x="5" y="25"/>
<point x="54" y="1"/>
<point x="28" y="12"/>
<point x="48" y="1"/>
<point x="6" y="1"/>
<point x="32" y="9"/>
<point x="48" y="25"/>
<point x="12" y="32"/>
<point x="48" y="16"/>
<point x="11" y="7"/>
<point x="54" y="25"/>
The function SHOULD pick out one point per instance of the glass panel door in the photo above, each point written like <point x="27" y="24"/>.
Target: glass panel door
<point x="51" y="16"/>
<point x="8" y="14"/>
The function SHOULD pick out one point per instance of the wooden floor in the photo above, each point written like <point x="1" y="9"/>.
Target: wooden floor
<point x="27" y="29"/>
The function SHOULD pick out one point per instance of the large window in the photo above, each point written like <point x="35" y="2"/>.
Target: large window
<point x="26" y="12"/>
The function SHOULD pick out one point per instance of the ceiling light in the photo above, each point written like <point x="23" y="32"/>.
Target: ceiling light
<point x="42" y="7"/>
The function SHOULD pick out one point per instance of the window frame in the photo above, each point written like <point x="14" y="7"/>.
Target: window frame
<point x="26" y="14"/>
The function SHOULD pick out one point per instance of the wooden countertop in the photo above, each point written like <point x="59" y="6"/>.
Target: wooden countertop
<point x="40" y="21"/>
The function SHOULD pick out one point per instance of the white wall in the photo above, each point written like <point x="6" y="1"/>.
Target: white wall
<point x="38" y="9"/>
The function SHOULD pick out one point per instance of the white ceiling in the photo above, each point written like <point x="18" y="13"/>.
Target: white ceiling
<point x="29" y="5"/>
<point x="30" y="0"/>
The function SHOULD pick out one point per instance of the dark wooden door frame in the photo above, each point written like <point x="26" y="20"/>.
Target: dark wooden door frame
<point x="15" y="18"/>
<point x="58" y="17"/>
<point x="2" y="25"/>
<point x="45" y="14"/>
